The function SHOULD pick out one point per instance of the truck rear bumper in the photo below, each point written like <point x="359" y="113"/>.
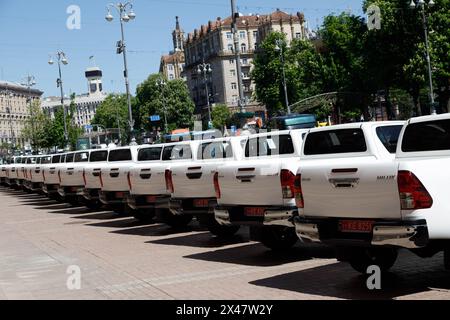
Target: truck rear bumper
<point x="33" y="186"/>
<point x="403" y="234"/>
<point x="72" y="191"/>
<point x="89" y="194"/>
<point x="49" y="189"/>
<point x="113" y="197"/>
<point x="187" y="206"/>
<point x="136" y="201"/>
<point x="273" y="216"/>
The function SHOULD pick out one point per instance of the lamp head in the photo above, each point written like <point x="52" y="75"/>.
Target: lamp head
<point x="431" y="3"/>
<point x="109" y="17"/>
<point x="125" y="17"/>
<point x="132" y="15"/>
<point x="50" y="62"/>
<point x="64" y="61"/>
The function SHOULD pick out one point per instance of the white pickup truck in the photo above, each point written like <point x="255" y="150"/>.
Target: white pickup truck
<point x="33" y="175"/>
<point x="3" y="167"/>
<point x="91" y="177"/>
<point x="192" y="182"/>
<point x="50" y="174"/>
<point x="357" y="194"/>
<point x="114" y="178"/>
<point x="71" y="180"/>
<point x="258" y="190"/>
<point x="11" y="172"/>
<point x="149" y="184"/>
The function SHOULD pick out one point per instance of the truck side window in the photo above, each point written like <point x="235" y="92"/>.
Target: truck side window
<point x="98" y="156"/>
<point x="215" y="150"/>
<point x="150" y="154"/>
<point x="120" y="155"/>
<point x="388" y="136"/>
<point x="269" y="146"/>
<point x="427" y="136"/>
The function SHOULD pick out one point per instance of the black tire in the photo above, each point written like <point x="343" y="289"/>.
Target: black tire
<point x="175" y="221"/>
<point x="361" y="258"/>
<point x="93" y="204"/>
<point x="278" y="238"/>
<point x="120" y="209"/>
<point x="221" y="231"/>
<point x="144" y="215"/>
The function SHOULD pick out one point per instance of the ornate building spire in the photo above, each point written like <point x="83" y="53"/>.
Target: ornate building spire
<point x="178" y="37"/>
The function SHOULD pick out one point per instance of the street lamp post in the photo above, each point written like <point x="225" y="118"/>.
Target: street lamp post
<point x="29" y="82"/>
<point x="205" y="69"/>
<point x="279" y="48"/>
<point x="237" y="50"/>
<point x="61" y="59"/>
<point x="421" y="4"/>
<point x="162" y="84"/>
<point x="126" y="14"/>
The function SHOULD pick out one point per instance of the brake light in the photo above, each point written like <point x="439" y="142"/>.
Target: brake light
<point x="217" y="186"/>
<point x="299" y="201"/>
<point x="84" y="177"/>
<point x="101" y="179"/>
<point x="129" y="180"/>
<point x="59" y="176"/>
<point x="413" y="194"/>
<point x="287" y="184"/>
<point x="169" y="181"/>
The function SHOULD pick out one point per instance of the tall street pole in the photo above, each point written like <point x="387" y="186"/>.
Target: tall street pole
<point x="237" y="50"/>
<point x="430" y="71"/>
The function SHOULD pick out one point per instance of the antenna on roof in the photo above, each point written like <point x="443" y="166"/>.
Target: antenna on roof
<point x="92" y="60"/>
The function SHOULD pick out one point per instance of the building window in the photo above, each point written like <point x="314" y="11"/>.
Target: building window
<point x="230" y="47"/>
<point x="231" y="61"/>
<point x="233" y="85"/>
<point x="171" y="77"/>
<point x="242" y="34"/>
<point x="229" y="36"/>
<point x="244" y="47"/>
<point x="255" y="35"/>
<point x="233" y="73"/>
<point x="298" y="35"/>
<point x="245" y="61"/>
<point x="170" y="67"/>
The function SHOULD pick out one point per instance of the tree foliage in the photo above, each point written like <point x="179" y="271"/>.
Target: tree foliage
<point x="221" y="115"/>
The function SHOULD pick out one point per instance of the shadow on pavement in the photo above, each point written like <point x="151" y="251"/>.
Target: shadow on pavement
<point x="124" y="222"/>
<point x="410" y="275"/>
<point x="99" y="215"/>
<point x="255" y="254"/>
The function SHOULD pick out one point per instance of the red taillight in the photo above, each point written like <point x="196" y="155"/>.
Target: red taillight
<point x="217" y="186"/>
<point x="59" y="176"/>
<point x="31" y="174"/>
<point x="101" y="179"/>
<point x="299" y="201"/>
<point x="169" y="181"/>
<point x="129" y="180"/>
<point x="84" y="177"/>
<point x="413" y="194"/>
<point x="287" y="184"/>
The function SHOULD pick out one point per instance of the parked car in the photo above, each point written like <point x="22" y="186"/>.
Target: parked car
<point x="192" y="182"/>
<point x="91" y="176"/>
<point x="351" y="194"/>
<point x="33" y="176"/>
<point x="258" y="190"/>
<point x="71" y="181"/>
<point x="114" y="178"/>
<point x="150" y="194"/>
<point x="20" y="171"/>
<point x="3" y="169"/>
<point x="50" y="174"/>
<point x="11" y="174"/>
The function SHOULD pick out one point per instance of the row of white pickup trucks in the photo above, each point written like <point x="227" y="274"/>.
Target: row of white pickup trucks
<point x="367" y="189"/>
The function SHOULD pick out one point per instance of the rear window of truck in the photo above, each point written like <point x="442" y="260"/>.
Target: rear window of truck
<point x="120" y="155"/>
<point x="46" y="160"/>
<point x="56" y="159"/>
<point x="98" y="156"/>
<point x="215" y="150"/>
<point x="388" y="136"/>
<point x="269" y="146"/>
<point x="70" y="157"/>
<point x="427" y="136"/>
<point x="335" y="142"/>
<point x="178" y="152"/>
<point x="82" y="157"/>
<point x="31" y="161"/>
<point x="150" y="154"/>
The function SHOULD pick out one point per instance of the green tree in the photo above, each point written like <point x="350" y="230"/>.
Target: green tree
<point x="171" y="99"/>
<point x="113" y="113"/>
<point x="221" y="115"/>
<point x="34" y="128"/>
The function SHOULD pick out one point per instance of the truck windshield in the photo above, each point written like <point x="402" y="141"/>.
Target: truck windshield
<point x="215" y="150"/>
<point x="335" y="142"/>
<point x="269" y="146"/>
<point x="388" y="136"/>
<point x="427" y="136"/>
<point x="98" y="156"/>
<point x="120" y="155"/>
<point x="177" y="152"/>
<point x="150" y="154"/>
<point x="82" y="157"/>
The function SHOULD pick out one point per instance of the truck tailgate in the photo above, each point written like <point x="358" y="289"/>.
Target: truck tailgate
<point x="351" y="188"/>
<point x="194" y="180"/>
<point x="251" y="182"/>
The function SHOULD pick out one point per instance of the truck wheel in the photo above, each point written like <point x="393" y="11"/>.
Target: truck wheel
<point x="217" y="229"/>
<point x="361" y="259"/>
<point x="93" y="204"/>
<point x="278" y="238"/>
<point x="144" y="215"/>
<point x="120" y="209"/>
<point x="176" y="222"/>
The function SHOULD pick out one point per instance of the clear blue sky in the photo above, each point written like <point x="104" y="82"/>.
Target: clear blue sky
<point x="31" y="30"/>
